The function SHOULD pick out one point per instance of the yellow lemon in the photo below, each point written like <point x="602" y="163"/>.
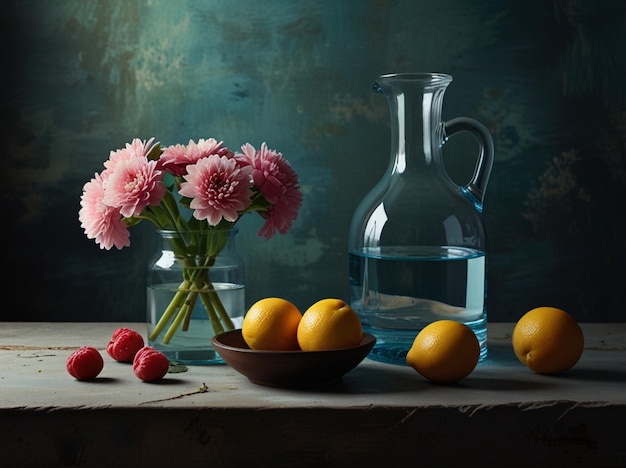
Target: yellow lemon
<point x="548" y="340"/>
<point x="329" y="324"/>
<point x="444" y="351"/>
<point x="271" y="324"/>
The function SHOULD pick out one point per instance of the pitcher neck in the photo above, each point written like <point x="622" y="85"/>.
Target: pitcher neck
<point x="415" y="102"/>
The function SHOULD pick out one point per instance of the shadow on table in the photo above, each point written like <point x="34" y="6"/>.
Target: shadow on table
<point x="163" y="382"/>
<point x="597" y="375"/>
<point x="391" y="379"/>
<point x="501" y="371"/>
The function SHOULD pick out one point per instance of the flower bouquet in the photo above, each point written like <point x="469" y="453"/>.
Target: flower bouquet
<point x="195" y="193"/>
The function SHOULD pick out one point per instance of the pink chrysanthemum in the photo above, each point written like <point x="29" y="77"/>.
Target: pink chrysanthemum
<point x="134" y="184"/>
<point x="101" y="222"/>
<point x="278" y="183"/>
<point x="136" y="148"/>
<point x="219" y="189"/>
<point x="176" y="158"/>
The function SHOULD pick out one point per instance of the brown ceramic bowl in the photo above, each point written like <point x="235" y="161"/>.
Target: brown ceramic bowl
<point x="289" y="368"/>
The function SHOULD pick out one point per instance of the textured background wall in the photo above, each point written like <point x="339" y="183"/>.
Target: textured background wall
<point x="84" y="77"/>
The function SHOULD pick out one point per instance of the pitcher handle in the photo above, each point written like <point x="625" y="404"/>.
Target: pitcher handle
<point x="478" y="183"/>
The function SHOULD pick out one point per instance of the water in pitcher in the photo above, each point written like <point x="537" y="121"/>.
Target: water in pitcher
<point x="397" y="291"/>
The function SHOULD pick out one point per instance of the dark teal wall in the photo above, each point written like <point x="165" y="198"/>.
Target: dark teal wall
<point x="81" y="78"/>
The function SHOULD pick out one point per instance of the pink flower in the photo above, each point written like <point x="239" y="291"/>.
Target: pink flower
<point x="219" y="188"/>
<point x="142" y="148"/>
<point x="176" y="158"/>
<point x="134" y="184"/>
<point x="136" y="148"/>
<point x="101" y="222"/>
<point x="278" y="183"/>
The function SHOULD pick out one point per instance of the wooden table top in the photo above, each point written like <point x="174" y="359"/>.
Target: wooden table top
<point x="500" y="402"/>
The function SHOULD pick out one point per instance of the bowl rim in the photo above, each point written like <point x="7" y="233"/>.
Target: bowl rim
<point x="366" y="340"/>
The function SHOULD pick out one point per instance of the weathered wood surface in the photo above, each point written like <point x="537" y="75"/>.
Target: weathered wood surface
<point x="503" y="414"/>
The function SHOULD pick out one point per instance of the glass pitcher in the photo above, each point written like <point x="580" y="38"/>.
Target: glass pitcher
<point x="417" y="245"/>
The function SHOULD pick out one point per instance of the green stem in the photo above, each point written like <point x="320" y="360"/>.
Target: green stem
<point x="213" y="298"/>
<point x="215" y="321"/>
<point x="185" y="298"/>
<point x="155" y="215"/>
<point x="175" y="324"/>
<point x="169" y="202"/>
<point x="191" y="303"/>
<point x="171" y="308"/>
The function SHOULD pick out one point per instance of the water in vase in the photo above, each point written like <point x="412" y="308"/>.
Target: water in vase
<point x="193" y="346"/>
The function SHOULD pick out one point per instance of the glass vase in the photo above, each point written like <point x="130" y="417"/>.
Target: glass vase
<point x="195" y="290"/>
<point x="417" y="243"/>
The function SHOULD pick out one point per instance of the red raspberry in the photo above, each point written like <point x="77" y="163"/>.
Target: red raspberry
<point x="150" y="365"/>
<point x="85" y="363"/>
<point x="124" y="344"/>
